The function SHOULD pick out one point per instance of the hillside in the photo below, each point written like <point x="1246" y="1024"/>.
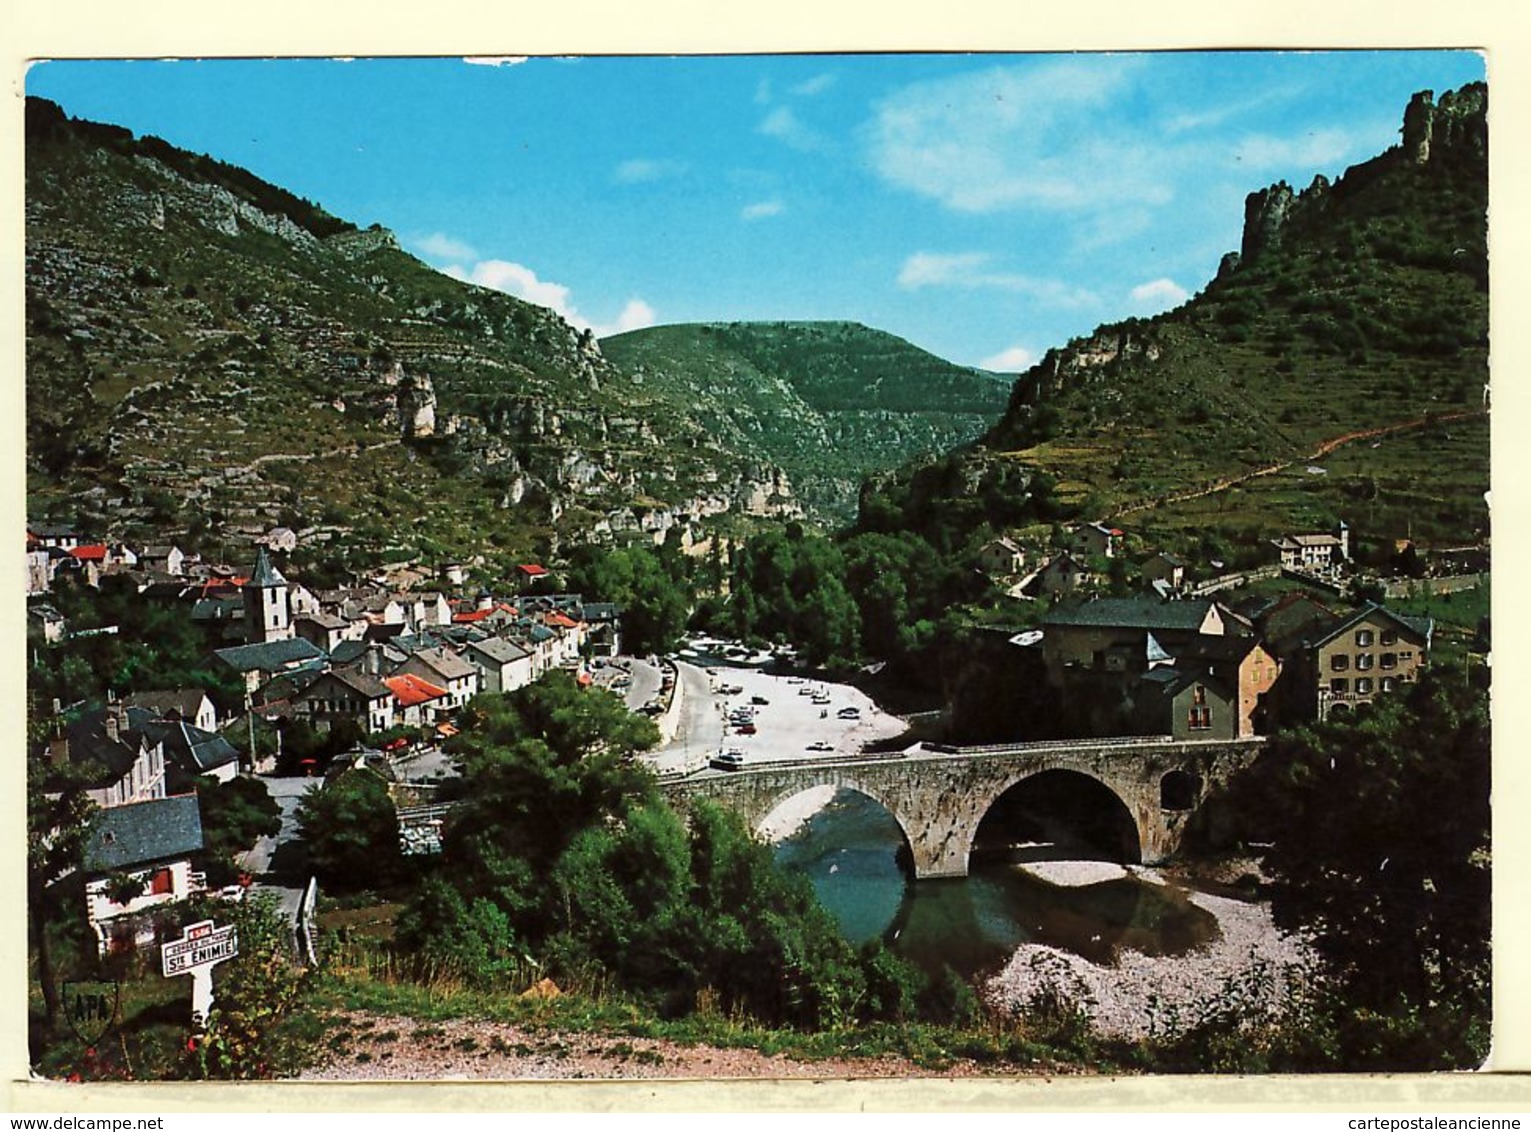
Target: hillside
<point x="1357" y="309"/>
<point x="207" y="353"/>
<point x="829" y="402"/>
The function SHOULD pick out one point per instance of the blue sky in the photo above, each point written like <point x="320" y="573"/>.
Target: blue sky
<point x="985" y="207"/>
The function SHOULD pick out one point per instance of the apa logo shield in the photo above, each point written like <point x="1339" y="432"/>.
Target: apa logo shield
<point x="90" y="1007"/>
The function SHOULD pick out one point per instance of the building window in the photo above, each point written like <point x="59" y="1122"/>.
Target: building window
<point x="1200" y="719"/>
<point x="1388" y="683"/>
<point x="1390" y="636"/>
<point x="1339" y="686"/>
<point x="1389" y="660"/>
<point x="1364" y="686"/>
<point x="1405" y="656"/>
<point x="1363" y="638"/>
<point x="1339" y="662"/>
<point x="1364" y="661"/>
<point x="162" y="884"/>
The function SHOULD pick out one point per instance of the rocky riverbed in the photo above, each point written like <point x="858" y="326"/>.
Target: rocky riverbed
<point x="1121" y="999"/>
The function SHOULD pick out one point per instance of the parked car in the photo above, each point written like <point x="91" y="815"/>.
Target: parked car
<point x="849" y="713"/>
<point x="760" y="700"/>
<point x="821" y="745"/>
<point x="747" y="729"/>
<point x="727" y="760"/>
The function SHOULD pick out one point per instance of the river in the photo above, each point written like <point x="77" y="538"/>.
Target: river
<point x="1118" y="938"/>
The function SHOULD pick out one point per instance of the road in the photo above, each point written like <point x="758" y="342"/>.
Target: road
<point x="278" y="863"/>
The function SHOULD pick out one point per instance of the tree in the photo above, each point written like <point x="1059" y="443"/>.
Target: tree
<point x="235" y="814"/>
<point x="655" y="601"/>
<point x="58" y="820"/>
<point x="352" y="830"/>
<point x="1379" y="831"/>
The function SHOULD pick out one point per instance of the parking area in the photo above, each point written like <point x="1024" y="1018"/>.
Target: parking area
<point x="767" y="717"/>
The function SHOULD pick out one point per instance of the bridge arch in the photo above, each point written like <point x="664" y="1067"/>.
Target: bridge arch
<point x="774" y="801"/>
<point x="1072" y="798"/>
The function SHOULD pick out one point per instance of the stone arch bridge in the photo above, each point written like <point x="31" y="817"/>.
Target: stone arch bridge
<point x="939" y="795"/>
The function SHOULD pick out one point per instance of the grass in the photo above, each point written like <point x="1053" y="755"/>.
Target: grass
<point x="997" y="1042"/>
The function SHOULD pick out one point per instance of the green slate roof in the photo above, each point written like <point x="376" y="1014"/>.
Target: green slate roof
<point x="140" y="833"/>
<point x="1132" y="613"/>
<point x="269" y="655"/>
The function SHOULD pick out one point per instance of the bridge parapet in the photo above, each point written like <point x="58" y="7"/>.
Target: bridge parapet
<point x="939" y="795"/>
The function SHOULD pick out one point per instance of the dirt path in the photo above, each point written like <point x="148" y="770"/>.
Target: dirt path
<point x="383" y="1047"/>
<point x="1321" y="451"/>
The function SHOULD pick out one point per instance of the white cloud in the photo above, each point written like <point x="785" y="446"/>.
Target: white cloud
<point x="785" y="126"/>
<point x="1015" y="359"/>
<point x="1309" y="150"/>
<point x="643" y="169"/>
<point x="495" y="60"/>
<point x="440" y="246"/>
<point x="1021" y="136"/>
<point x="518" y="280"/>
<point x="971" y="271"/>
<point x="522" y="282"/>
<point x="636" y="315"/>
<point x="816" y="85"/>
<point x="1159" y="294"/>
<point x="762" y="209"/>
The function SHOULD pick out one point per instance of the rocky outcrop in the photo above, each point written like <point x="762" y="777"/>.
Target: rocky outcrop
<point x="1269" y="212"/>
<point x="357" y="245"/>
<point x="1458" y="123"/>
<point x="416" y="399"/>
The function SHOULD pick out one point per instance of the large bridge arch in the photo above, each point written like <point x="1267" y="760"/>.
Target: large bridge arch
<point x="1114" y="817"/>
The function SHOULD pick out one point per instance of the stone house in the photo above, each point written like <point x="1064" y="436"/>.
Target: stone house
<point x="446" y="669"/>
<point x="503" y="665"/>
<point x="189" y="705"/>
<point x="324" y="631"/>
<point x="1313" y="553"/>
<point x="603" y="627"/>
<point x="47" y="622"/>
<point x="1164" y="568"/>
<point x="346" y="693"/>
<point x="1065" y="574"/>
<point x="1001" y="557"/>
<point x="418" y="702"/>
<point x="1369" y="653"/>
<point x="149" y="843"/>
<point x="258" y="663"/>
<point x="39" y="570"/>
<point x="1119" y="634"/>
<point x="123" y="761"/>
<point x="163" y="558"/>
<point x="1095" y="540"/>
<point x="1186" y="702"/>
<point x="192" y="753"/>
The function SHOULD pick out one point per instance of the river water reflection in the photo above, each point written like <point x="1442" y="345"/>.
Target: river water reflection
<point x="850" y="853"/>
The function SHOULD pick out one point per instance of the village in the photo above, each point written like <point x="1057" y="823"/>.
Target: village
<point x="384" y="667"/>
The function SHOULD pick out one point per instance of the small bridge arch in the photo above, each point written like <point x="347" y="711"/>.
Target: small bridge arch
<point x="1111" y="816"/>
<point x="763" y="806"/>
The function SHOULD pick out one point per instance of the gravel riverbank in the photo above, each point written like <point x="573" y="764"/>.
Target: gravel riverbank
<point x="1117" y="998"/>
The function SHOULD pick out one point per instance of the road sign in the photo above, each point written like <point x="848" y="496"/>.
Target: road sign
<point x="202" y="945"/>
<point x="179" y="956"/>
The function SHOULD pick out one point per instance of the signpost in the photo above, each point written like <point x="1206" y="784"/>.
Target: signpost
<point x="202" y="946"/>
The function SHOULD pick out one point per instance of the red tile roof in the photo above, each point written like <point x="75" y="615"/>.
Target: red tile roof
<point x="558" y="620"/>
<point x="532" y="570"/>
<point x="95" y="553"/>
<point x="410" y="690"/>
